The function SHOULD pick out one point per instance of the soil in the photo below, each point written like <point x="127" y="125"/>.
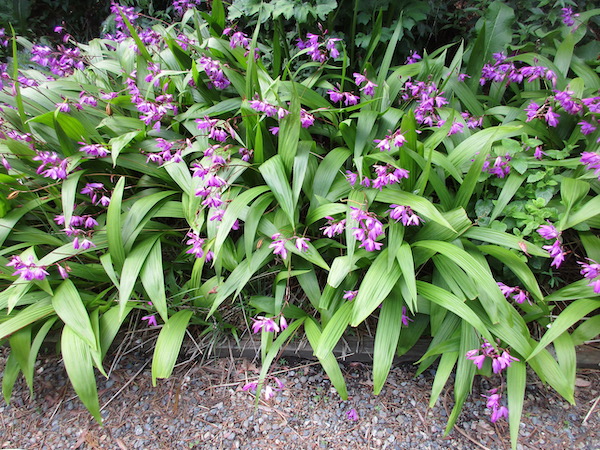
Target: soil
<point x="203" y="406"/>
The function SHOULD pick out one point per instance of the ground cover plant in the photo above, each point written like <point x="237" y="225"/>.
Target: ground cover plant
<point x="199" y="174"/>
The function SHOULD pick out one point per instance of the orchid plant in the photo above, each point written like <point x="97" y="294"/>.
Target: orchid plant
<point x="162" y="173"/>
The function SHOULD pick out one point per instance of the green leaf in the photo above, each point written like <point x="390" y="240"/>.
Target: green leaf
<point x="375" y="287"/>
<point x="235" y="211"/>
<point x="78" y="362"/>
<point x="117" y="144"/>
<point x="442" y="373"/>
<point x="389" y="326"/>
<point x="405" y="260"/>
<point x="585" y="212"/>
<point x="328" y="169"/>
<point x="504" y="239"/>
<point x="489" y="293"/>
<point x="168" y="345"/>
<point x="273" y="172"/>
<point x="333" y="330"/>
<point x="570" y="315"/>
<point x="329" y="363"/>
<point x="452" y="303"/>
<point x="24" y="317"/>
<point x="131" y="269"/>
<point x="517" y="266"/>
<point x="113" y="225"/>
<point x="9" y="376"/>
<point x="20" y="346"/>
<point x="68" y="192"/>
<point x="110" y="324"/>
<point x="516" y="377"/>
<point x="68" y="305"/>
<point x="153" y="279"/>
<point x="511" y="185"/>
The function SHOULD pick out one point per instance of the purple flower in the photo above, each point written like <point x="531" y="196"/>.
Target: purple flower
<point x="405" y="318"/>
<point x="404" y="214"/>
<point x="250" y="386"/>
<point x="282" y="325"/>
<point x="592" y="162"/>
<point x="96" y="150"/>
<point x="302" y="244"/>
<point x="27" y="270"/>
<point x="306" y="119"/>
<point x="151" y="320"/>
<point x="333" y="228"/>
<point x="264" y="324"/>
<point x="556" y="252"/>
<point x="352" y="415"/>
<point x="196" y="242"/>
<point x="413" y="58"/>
<point x="548" y="231"/>
<point x="568" y="16"/>
<point x="586" y="127"/>
<point x="350" y="295"/>
<point x="532" y="110"/>
<point x="278" y="246"/>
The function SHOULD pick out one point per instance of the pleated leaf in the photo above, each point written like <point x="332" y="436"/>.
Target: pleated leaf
<point x="375" y="287"/>
<point x="516" y="377"/>
<point x="70" y="308"/>
<point x="78" y="363"/>
<point x="389" y="327"/>
<point x="153" y="279"/>
<point x="168" y="345"/>
<point x="571" y="314"/>
<point x="328" y="362"/>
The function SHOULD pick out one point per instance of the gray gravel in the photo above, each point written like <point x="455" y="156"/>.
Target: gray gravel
<point x="203" y="406"/>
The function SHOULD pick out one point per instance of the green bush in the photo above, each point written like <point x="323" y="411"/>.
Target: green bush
<point x="198" y="176"/>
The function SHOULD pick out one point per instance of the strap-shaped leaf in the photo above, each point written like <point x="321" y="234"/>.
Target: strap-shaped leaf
<point x="113" y="225"/>
<point x="389" y="326"/>
<point x="70" y="308"/>
<point x="273" y="173"/>
<point x="516" y="377"/>
<point x="375" y="287"/>
<point x="571" y="314"/>
<point x="153" y="279"/>
<point x="328" y="362"/>
<point x="131" y="269"/>
<point x="78" y="362"/>
<point x="168" y="345"/>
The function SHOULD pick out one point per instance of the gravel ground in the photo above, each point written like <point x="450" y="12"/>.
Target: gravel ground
<point x="203" y="406"/>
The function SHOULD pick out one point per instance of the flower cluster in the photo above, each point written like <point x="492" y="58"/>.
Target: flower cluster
<point x="52" y="165"/>
<point x="428" y="97"/>
<point x="516" y="293"/>
<point x="181" y="6"/>
<point x="268" y="391"/>
<point x="568" y="18"/>
<point x="333" y="228"/>
<point x="500" y="361"/>
<point x="500" y="167"/>
<point x="413" y="58"/>
<point x="217" y="129"/>
<point x="87" y="222"/>
<point x="404" y="214"/>
<point x="396" y="139"/>
<point x="93" y="150"/>
<point x="591" y="271"/>
<point x="368" y="87"/>
<point x="503" y="70"/>
<point x="544" y="112"/>
<point x="27" y="270"/>
<point x="278" y="244"/>
<point x="592" y="162"/>
<point x="319" y="47"/>
<point x="3" y="38"/>
<point x="214" y="72"/>
<point x="62" y="62"/>
<point x="268" y="109"/>
<point x="336" y="96"/>
<point x="165" y="154"/>
<point x="368" y="230"/>
<point x="268" y="325"/>
<point x="152" y="111"/>
<point x="493" y="403"/>
<point x="97" y="193"/>
<point x="555" y="250"/>
<point x="213" y="184"/>
<point x="197" y="242"/>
